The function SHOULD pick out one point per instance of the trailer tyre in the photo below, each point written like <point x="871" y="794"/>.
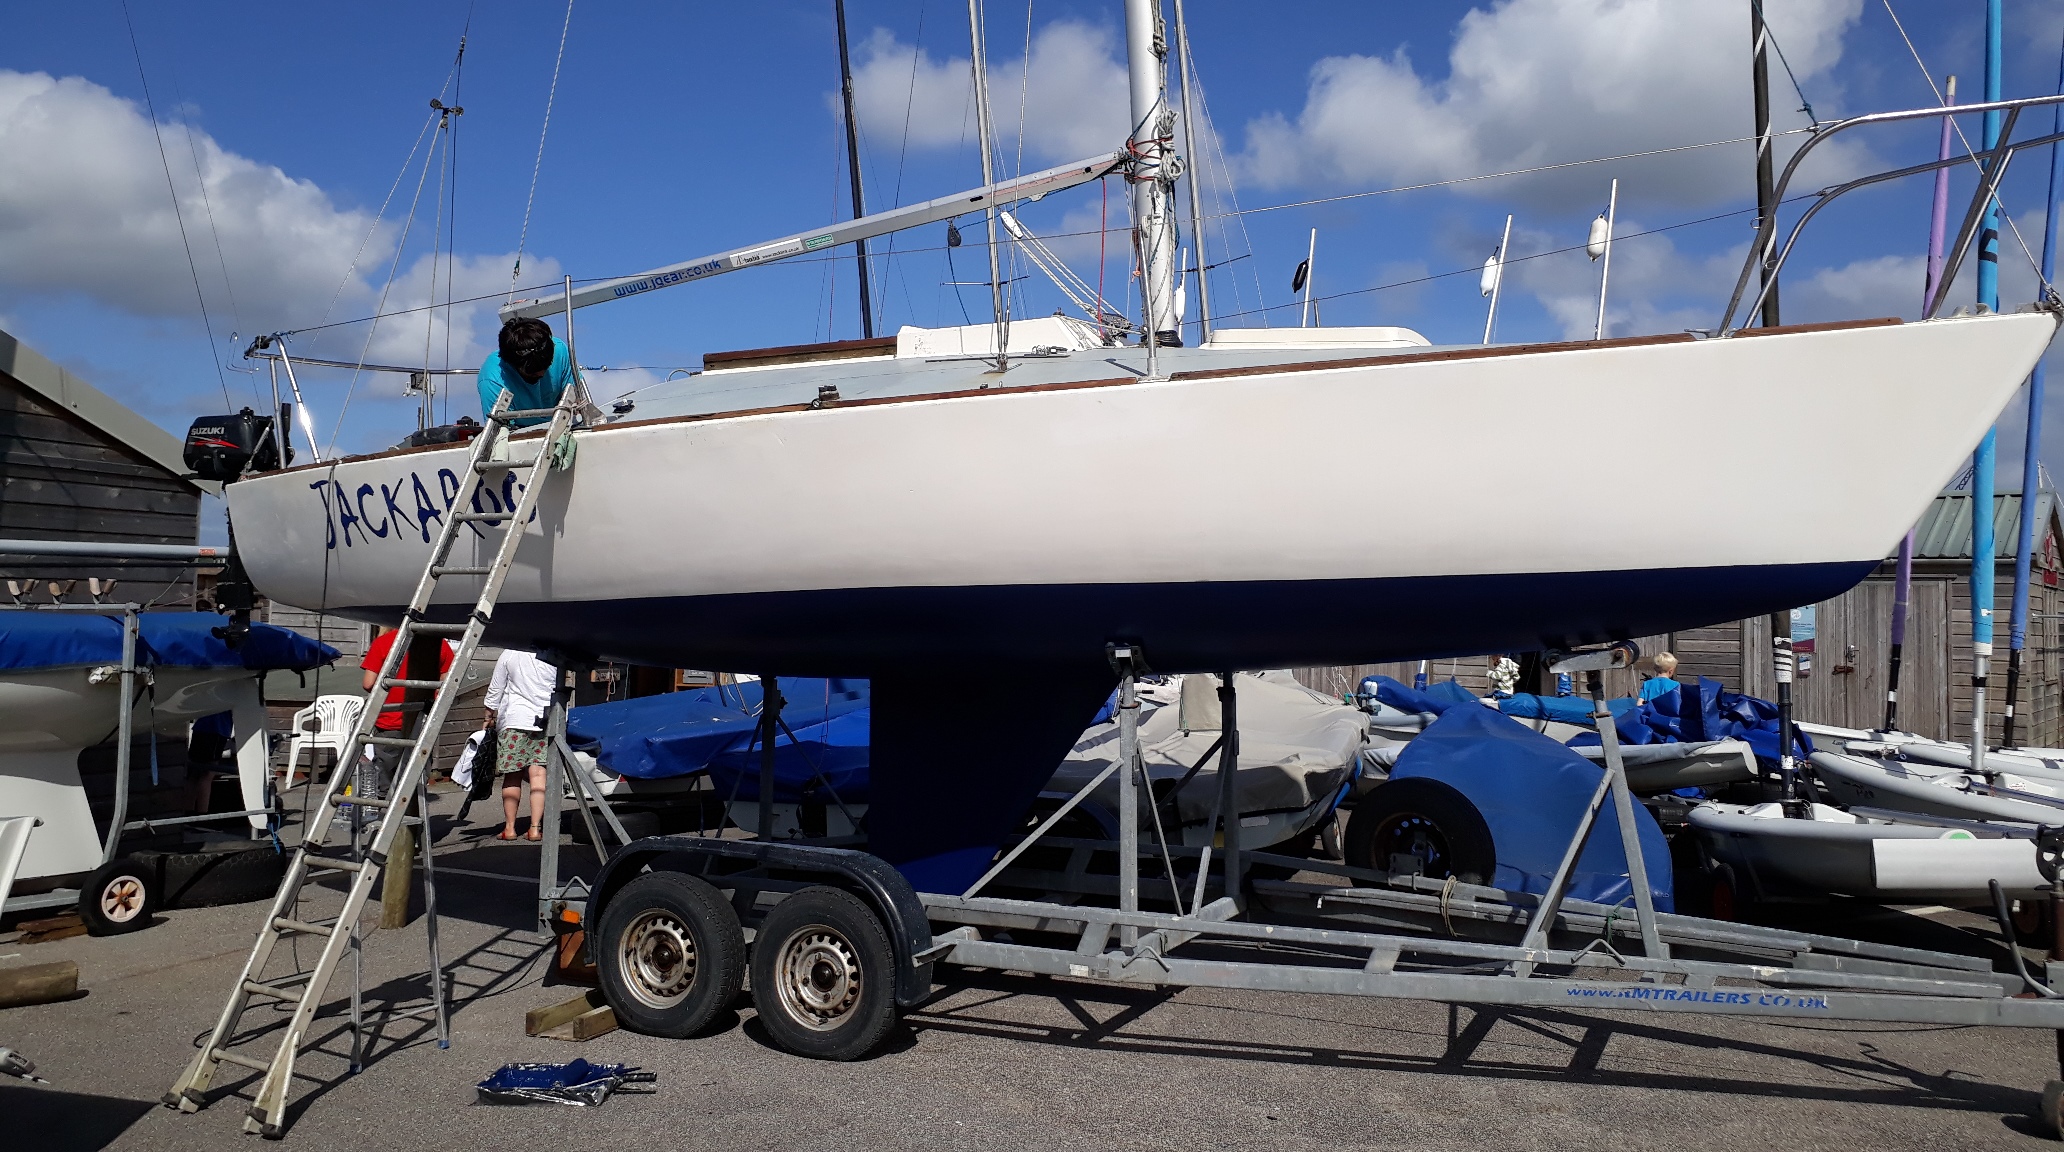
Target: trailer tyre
<point x="1425" y="819"/>
<point x="671" y="954"/>
<point x="823" y="975"/>
<point x="118" y="897"/>
<point x="2052" y="1108"/>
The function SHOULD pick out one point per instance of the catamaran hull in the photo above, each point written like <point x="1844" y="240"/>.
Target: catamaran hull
<point x="1423" y="506"/>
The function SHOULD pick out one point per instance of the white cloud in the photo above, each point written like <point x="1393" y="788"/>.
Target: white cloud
<point x="84" y="209"/>
<point x="1541" y="81"/>
<point x="1073" y="95"/>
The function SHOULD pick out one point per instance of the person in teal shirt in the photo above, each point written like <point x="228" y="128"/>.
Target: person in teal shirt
<point x="530" y="364"/>
<point x="1665" y="679"/>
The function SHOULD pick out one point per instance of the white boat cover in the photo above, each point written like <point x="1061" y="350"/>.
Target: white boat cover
<point x="1297" y="747"/>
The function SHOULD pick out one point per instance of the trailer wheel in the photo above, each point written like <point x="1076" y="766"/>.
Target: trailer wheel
<point x="671" y="954"/>
<point x="1424" y="819"/>
<point x="2052" y="1108"/>
<point x="823" y="975"/>
<point x="118" y="897"/>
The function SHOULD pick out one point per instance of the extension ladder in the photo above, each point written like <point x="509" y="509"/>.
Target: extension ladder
<point x="360" y="858"/>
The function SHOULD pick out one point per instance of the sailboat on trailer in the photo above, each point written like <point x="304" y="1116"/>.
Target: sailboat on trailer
<point x="899" y="509"/>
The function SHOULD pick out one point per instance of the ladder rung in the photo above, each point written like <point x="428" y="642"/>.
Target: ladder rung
<point x="521" y="414"/>
<point x="257" y="989"/>
<point x="367" y="801"/>
<point x="478" y="517"/>
<point x="432" y="627"/>
<point x="392" y="741"/>
<point x="228" y="1057"/>
<point x="410" y="684"/>
<point x="503" y="465"/>
<point x="461" y="570"/>
<point x="282" y="924"/>
<point x="334" y="863"/>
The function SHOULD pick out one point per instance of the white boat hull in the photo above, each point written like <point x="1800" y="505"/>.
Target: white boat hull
<point x="1351" y="513"/>
<point x="49" y="715"/>
<point x="1837" y="854"/>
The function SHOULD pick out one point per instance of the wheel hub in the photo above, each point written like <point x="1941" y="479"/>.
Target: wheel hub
<point x="1411" y="834"/>
<point x="659" y="959"/>
<point x="122" y="899"/>
<point x="819" y="978"/>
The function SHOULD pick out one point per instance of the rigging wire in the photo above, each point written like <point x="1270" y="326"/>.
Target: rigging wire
<point x="393" y="272"/>
<point x="1224" y="174"/>
<point x="1453" y="181"/>
<point x="1969" y="150"/>
<point x="538" y="165"/>
<point x="236" y="314"/>
<point x="902" y="154"/>
<point x="372" y="229"/>
<point x="1476" y="269"/>
<point x="1235" y="213"/>
<point x="179" y="217"/>
<point x="1805" y="105"/>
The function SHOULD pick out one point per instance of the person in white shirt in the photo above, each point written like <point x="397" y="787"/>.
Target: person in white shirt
<point x="517" y="698"/>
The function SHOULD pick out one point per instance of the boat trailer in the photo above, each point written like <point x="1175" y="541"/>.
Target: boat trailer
<point x="1359" y="932"/>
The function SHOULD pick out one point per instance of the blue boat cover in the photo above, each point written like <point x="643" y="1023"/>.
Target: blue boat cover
<point x="715" y="730"/>
<point x="1531" y="792"/>
<point x="1435" y="698"/>
<point x="1702" y="710"/>
<point x="33" y="639"/>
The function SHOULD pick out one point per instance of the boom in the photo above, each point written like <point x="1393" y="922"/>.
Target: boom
<point x="1023" y="188"/>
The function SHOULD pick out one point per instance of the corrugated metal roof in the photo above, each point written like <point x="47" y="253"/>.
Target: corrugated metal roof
<point x="66" y="391"/>
<point x="1944" y="531"/>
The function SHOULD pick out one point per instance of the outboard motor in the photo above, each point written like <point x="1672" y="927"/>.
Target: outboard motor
<point x="222" y="448"/>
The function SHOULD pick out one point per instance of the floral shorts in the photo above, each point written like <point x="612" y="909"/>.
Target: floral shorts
<point x="517" y="750"/>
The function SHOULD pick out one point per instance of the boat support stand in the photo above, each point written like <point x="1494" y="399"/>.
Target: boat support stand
<point x="1362" y="932"/>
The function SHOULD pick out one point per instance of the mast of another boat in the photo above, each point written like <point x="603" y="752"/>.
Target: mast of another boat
<point x="845" y="67"/>
<point x="1982" y="463"/>
<point x="1152" y="174"/>
<point x="1902" y="586"/>
<point x="2031" y="455"/>
<point x="1766" y="209"/>
<point x="1494" y="278"/>
<point x="979" y="33"/>
<point x="1191" y="170"/>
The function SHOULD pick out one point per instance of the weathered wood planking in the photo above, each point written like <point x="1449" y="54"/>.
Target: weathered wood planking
<point x="61" y="478"/>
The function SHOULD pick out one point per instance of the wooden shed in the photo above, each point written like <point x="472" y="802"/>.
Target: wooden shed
<point x="1843" y="678"/>
<point x="75" y="464"/>
<point x="1846" y="684"/>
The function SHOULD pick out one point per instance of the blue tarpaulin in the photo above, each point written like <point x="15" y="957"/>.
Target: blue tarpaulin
<point x="1702" y="710"/>
<point x="714" y="730"/>
<point x="42" y="639"/>
<point x="1435" y="698"/>
<point x="1531" y="792"/>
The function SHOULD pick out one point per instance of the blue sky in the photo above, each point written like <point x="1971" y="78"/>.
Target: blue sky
<point x="679" y="130"/>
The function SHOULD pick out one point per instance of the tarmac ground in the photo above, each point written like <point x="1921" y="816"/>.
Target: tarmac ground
<point x="999" y="1060"/>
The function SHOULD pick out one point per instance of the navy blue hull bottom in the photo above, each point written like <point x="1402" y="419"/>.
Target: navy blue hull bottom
<point x="1193" y="627"/>
<point x="957" y="761"/>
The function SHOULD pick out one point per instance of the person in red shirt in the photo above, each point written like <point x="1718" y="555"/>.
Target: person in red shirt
<point x="386" y="758"/>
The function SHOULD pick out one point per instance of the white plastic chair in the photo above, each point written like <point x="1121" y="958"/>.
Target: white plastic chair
<point x="334" y="718"/>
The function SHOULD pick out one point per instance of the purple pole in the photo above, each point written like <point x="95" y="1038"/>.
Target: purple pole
<point x="1902" y="587"/>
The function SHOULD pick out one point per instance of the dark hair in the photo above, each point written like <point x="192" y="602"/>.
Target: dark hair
<point x="526" y="345"/>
